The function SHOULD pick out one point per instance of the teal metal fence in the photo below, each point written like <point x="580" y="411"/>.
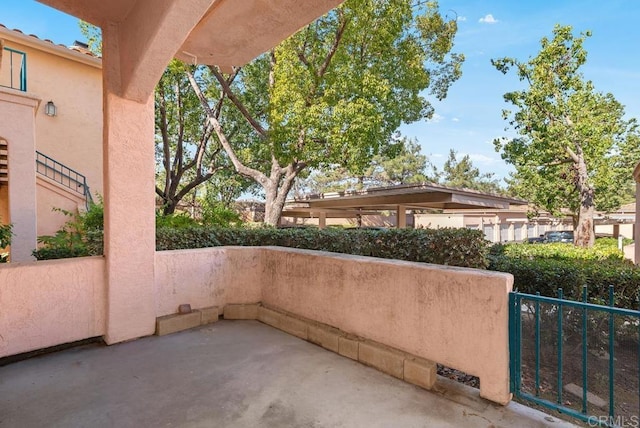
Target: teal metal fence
<point x="565" y="355"/>
<point x="14" y="70"/>
<point x="64" y="175"/>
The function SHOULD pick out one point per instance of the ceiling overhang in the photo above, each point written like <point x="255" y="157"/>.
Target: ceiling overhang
<point x="231" y="33"/>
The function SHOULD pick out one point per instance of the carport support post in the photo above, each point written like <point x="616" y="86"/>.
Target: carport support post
<point x="401" y="217"/>
<point x="322" y="220"/>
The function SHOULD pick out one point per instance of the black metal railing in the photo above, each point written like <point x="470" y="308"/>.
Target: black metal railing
<point x="566" y="355"/>
<point x="64" y="175"/>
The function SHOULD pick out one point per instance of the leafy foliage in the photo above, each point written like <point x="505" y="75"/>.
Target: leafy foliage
<point x="574" y="146"/>
<point x="604" y="249"/>
<point x="333" y="93"/>
<point x="93" y="35"/>
<point x="5" y="240"/>
<point x="186" y="154"/>
<point x="218" y="214"/>
<point x="456" y="247"/>
<point x="175" y="221"/>
<point x="80" y="236"/>
<point x="402" y="163"/>
<point x="546" y="268"/>
<point x="462" y="173"/>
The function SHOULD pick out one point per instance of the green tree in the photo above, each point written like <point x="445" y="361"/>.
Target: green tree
<point x="93" y="35"/>
<point x="462" y="173"/>
<point x="401" y="164"/>
<point x="186" y="154"/>
<point x="334" y="93"/>
<point x="573" y="141"/>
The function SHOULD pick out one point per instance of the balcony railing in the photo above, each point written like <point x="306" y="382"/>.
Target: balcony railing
<point x="13" y="69"/>
<point x="64" y="175"/>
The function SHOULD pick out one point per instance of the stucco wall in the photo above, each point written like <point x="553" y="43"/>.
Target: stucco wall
<point x="49" y="303"/>
<point x="207" y="277"/>
<point x="439" y="220"/>
<point x="454" y="316"/>
<point x="50" y="195"/>
<point x="74" y="136"/>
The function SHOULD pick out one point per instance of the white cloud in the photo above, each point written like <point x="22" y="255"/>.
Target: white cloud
<point x="488" y="19"/>
<point x="455" y="119"/>
<point x="482" y="159"/>
<point x="462" y="18"/>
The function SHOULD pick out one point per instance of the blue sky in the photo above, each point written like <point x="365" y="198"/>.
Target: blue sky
<point x="470" y="118"/>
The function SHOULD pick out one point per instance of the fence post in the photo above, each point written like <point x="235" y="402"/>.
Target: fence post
<point x="584" y="351"/>
<point x="560" y="346"/>
<point x="512" y="343"/>
<point x="611" y="358"/>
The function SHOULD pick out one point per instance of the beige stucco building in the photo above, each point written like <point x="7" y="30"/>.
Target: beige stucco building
<point x="514" y="224"/>
<point x="54" y="160"/>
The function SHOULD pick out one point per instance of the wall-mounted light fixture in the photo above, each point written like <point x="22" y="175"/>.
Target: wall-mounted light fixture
<point x="50" y="109"/>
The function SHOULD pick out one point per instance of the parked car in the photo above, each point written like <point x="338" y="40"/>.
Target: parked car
<point x="553" y="236"/>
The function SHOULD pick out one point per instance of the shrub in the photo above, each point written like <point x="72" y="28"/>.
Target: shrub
<point x="187" y="237"/>
<point x="176" y="221"/>
<point x="219" y="215"/>
<point x="559" y="251"/>
<point x="5" y="240"/>
<point x="456" y="247"/>
<point x="78" y="237"/>
<point x="545" y="268"/>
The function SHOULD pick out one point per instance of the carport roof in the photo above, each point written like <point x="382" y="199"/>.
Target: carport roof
<point x="410" y="196"/>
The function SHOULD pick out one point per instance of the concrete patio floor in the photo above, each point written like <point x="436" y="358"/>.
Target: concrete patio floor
<point x="232" y="374"/>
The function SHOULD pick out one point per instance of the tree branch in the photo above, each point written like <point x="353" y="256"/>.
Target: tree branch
<point x="239" y="166"/>
<point x="572" y="154"/>
<point x="245" y="113"/>
<point x="334" y="47"/>
<point x="165" y="138"/>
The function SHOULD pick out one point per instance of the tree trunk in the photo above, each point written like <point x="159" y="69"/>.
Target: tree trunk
<point x="169" y="208"/>
<point x="584" y="233"/>
<point x="276" y="192"/>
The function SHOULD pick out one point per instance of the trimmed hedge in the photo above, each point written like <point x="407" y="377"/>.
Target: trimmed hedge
<point x="559" y="270"/>
<point x="603" y="249"/>
<point x="455" y="247"/>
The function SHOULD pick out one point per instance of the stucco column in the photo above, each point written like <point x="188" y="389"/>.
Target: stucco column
<point x="496" y="229"/>
<point x="401" y="217"/>
<point x="17" y="127"/>
<point x="129" y="220"/>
